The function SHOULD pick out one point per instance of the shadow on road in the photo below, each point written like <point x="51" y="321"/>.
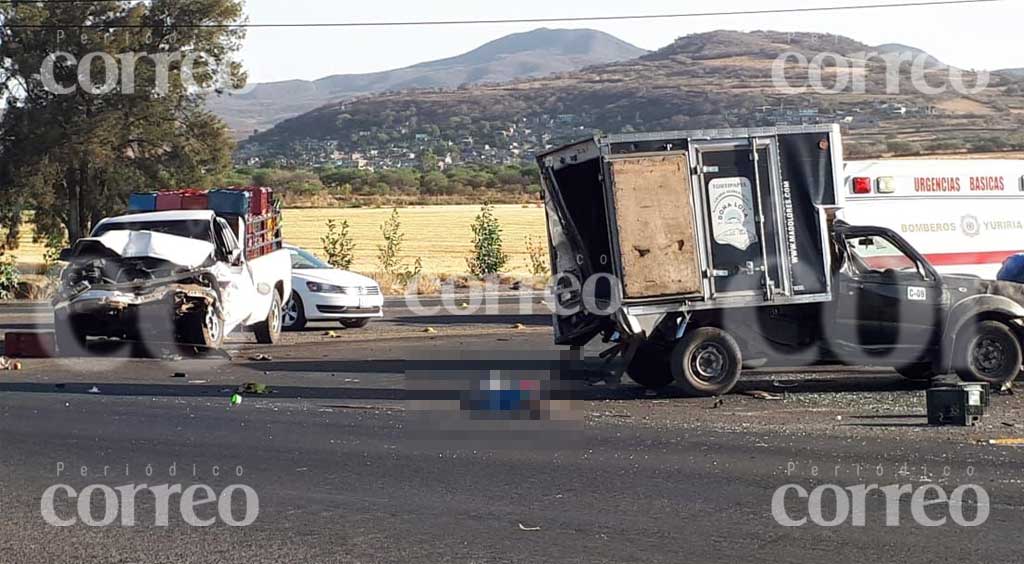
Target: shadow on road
<point x="578" y="383"/>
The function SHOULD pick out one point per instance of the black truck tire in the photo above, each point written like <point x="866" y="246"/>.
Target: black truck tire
<point x="269" y="332"/>
<point x="651" y="366"/>
<point x="991" y="354"/>
<point x="69" y="340"/>
<point x="707" y="362"/>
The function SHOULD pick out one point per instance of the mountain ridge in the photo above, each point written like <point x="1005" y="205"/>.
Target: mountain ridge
<point x="519" y="55"/>
<point x="705" y="80"/>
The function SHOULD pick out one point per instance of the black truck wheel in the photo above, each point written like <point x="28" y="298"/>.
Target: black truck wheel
<point x="269" y="332"/>
<point x="651" y="366"/>
<point x="707" y="362"/>
<point x="990" y="354"/>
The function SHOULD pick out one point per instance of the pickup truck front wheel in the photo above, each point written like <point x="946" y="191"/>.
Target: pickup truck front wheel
<point x="269" y="331"/>
<point x="205" y="328"/>
<point x="707" y="362"/>
<point x="991" y="354"/>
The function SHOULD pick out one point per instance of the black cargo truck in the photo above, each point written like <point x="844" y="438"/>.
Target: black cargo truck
<point x="692" y="251"/>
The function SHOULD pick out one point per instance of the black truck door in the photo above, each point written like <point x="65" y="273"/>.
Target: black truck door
<point x="888" y="302"/>
<point x="730" y="190"/>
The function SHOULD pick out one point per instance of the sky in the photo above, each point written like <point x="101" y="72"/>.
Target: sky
<point x="979" y="36"/>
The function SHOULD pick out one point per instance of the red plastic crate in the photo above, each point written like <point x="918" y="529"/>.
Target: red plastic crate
<point x="194" y="200"/>
<point x="29" y="345"/>
<point x="259" y="199"/>
<point x="166" y="201"/>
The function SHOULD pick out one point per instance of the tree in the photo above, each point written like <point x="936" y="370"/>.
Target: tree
<point x="119" y="110"/>
<point x="338" y="245"/>
<point x="388" y="253"/>
<point x="488" y="256"/>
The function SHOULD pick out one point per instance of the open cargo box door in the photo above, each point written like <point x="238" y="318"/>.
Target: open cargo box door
<point x="656" y="228"/>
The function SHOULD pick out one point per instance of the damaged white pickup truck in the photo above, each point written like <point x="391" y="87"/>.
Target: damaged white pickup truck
<point x="175" y="276"/>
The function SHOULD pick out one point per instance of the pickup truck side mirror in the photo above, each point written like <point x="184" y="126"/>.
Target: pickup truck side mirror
<point x="236" y="257"/>
<point x="65" y="255"/>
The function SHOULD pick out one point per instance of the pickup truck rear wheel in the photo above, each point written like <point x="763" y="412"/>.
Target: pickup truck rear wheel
<point x="651" y="367"/>
<point x="269" y="332"/>
<point x="707" y="362"/>
<point x="991" y="354"/>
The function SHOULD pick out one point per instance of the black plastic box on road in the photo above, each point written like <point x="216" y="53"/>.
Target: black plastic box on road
<point x="962" y="405"/>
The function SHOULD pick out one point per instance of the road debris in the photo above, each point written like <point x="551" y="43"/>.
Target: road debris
<point x="430" y="330"/>
<point x="5" y="363"/>
<point x="236" y="399"/>
<point x="719" y="402"/>
<point x="330" y="335"/>
<point x="779" y="384"/>
<point x="757" y="394"/>
<point x="180" y="375"/>
<point x="254" y="388"/>
<point x="261" y="358"/>
<point x="523" y="527"/>
<point x="93" y="390"/>
<point x="1003" y="442"/>
<point x="519" y="326"/>
<point x="1006" y="389"/>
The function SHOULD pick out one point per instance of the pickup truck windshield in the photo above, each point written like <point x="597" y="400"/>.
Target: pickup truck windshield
<point x="192" y="229"/>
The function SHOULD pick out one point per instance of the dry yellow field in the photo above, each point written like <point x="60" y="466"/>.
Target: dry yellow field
<point x="439" y="235"/>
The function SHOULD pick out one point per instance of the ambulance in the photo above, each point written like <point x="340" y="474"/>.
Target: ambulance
<point x="965" y="216"/>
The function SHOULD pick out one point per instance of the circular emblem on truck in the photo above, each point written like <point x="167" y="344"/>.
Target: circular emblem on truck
<point x="970" y="226"/>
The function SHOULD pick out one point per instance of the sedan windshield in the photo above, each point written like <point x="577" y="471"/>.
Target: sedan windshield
<point x="305" y="260"/>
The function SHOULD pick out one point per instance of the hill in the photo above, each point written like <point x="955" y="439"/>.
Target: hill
<point x="716" y="79"/>
<point x="530" y="54"/>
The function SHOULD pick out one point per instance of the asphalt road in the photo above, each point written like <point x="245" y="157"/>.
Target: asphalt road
<point x="348" y="469"/>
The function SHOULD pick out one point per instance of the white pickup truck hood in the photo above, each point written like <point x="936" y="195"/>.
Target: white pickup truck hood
<point x="182" y="251"/>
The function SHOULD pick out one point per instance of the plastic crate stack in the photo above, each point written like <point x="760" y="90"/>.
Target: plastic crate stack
<point x="253" y="205"/>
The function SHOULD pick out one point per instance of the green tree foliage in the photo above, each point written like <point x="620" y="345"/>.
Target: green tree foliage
<point x="338" y="245"/>
<point x="10" y="277"/>
<point x="74" y="157"/>
<point x="387" y="256"/>
<point x="488" y="256"/>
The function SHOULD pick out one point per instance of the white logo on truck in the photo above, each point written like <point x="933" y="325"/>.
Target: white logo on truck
<point x="732" y="212"/>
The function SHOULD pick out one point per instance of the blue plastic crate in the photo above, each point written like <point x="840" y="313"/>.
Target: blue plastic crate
<point x="141" y="202"/>
<point x="230" y="202"/>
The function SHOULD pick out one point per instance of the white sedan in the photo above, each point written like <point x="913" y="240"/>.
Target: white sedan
<point x="321" y="292"/>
